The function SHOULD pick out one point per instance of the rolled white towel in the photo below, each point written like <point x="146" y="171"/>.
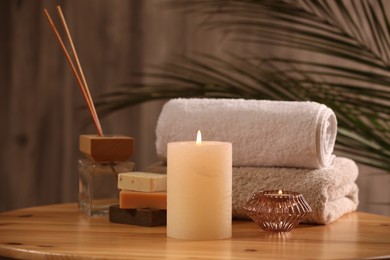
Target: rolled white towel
<point x="263" y="133"/>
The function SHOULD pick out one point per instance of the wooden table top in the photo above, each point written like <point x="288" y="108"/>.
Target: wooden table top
<point x="62" y="231"/>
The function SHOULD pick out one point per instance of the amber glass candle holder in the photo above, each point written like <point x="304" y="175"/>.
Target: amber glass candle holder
<point x="275" y="210"/>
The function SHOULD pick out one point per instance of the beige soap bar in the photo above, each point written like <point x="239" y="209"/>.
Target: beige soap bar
<point x="142" y="181"/>
<point x="137" y="199"/>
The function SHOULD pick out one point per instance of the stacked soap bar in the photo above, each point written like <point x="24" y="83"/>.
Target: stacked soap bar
<point x="140" y="217"/>
<point x="129" y="199"/>
<point x="142" y="199"/>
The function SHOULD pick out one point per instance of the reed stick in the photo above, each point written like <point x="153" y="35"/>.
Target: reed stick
<point x="75" y="55"/>
<point x="83" y="88"/>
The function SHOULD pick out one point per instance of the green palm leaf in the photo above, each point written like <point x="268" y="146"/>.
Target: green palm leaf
<point x="355" y="82"/>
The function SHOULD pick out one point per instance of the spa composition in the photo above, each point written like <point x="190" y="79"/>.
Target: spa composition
<point x="199" y="202"/>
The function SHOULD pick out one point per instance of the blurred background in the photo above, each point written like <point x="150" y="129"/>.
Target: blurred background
<point x="41" y="108"/>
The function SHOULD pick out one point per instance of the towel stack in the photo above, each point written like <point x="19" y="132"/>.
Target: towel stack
<point x="276" y="145"/>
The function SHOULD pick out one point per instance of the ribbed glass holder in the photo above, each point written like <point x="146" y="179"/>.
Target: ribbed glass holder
<point x="98" y="185"/>
<point x="277" y="212"/>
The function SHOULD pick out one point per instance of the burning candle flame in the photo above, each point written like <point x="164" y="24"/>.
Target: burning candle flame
<point x="280" y="192"/>
<point x="199" y="137"/>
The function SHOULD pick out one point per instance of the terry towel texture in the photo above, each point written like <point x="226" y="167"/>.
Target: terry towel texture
<point x="331" y="192"/>
<point x="263" y="133"/>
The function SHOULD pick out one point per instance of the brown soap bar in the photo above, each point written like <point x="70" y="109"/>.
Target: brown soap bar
<point x="140" y="217"/>
<point x="129" y="199"/>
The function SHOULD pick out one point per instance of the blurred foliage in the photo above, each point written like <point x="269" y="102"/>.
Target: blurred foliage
<point x="352" y="76"/>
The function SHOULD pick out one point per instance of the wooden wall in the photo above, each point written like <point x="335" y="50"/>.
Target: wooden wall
<point x="40" y="103"/>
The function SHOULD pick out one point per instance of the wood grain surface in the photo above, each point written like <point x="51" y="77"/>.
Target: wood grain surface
<point x="60" y="231"/>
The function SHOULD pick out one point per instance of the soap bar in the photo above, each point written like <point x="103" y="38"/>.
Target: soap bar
<point x="136" y="199"/>
<point x="140" y="217"/>
<point x="142" y="181"/>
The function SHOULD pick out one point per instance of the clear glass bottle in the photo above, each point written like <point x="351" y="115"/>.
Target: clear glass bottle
<point x="98" y="185"/>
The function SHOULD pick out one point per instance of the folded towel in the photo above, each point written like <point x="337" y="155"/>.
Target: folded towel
<point x="263" y="133"/>
<point x="331" y="192"/>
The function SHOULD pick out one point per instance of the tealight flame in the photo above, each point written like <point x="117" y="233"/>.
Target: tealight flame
<point x="199" y="137"/>
<point x="280" y="192"/>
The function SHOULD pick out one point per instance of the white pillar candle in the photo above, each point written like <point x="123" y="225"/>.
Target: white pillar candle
<point x="199" y="190"/>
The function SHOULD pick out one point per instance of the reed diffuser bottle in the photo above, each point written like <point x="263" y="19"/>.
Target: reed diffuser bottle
<point x="104" y="158"/>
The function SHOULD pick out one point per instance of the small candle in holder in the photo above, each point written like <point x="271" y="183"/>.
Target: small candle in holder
<point x="277" y="210"/>
<point x="199" y="190"/>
